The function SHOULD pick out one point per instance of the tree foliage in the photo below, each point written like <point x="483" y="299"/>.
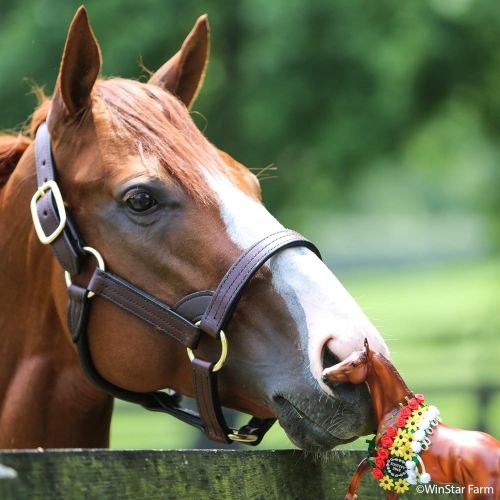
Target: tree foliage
<point x="364" y="106"/>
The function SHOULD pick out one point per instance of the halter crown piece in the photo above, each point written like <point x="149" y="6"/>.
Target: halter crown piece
<point x="396" y="459"/>
<point x="199" y="313"/>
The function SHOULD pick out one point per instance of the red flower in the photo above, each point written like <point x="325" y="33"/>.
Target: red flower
<point x="383" y="453"/>
<point x="380" y="462"/>
<point x="391" y="431"/>
<point x="401" y="421"/>
<point x="420" y="398"/>
<point x="413" y="403"/>
<point x="386" y="441"/>
<point x="405" y="412"/>
<point x="377" y="473"/>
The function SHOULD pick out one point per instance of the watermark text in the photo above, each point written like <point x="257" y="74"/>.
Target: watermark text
<point x="448" y="489"/>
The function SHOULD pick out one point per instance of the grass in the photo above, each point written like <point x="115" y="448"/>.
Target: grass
<point x="441" y="323"/>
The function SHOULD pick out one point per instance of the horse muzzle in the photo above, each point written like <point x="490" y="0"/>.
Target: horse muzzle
<point x="316" y="421"/>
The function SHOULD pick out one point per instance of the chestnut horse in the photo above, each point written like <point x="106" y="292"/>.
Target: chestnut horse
<point x="469" y="458"/>
<point x="170" y="213"/>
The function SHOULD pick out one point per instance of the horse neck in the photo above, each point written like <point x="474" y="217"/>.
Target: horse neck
<point x="387" y="388"/>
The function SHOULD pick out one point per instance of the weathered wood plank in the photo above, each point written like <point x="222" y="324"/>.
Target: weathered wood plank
<point x="190" y="474"/>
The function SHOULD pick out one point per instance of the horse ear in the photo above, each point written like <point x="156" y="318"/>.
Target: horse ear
<point x="367" y="348"/>
<point x="184" y="72"/>
<point x="80" y="65"/>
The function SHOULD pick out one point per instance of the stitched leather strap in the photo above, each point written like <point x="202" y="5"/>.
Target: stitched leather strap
<point x="67" y="247"/>
<point x="78" y="311"/>
<point x="45" y="170"/>
<point x="207" y="400"/>
<point x="241" y="272"/>
<point x="144" y="306"/>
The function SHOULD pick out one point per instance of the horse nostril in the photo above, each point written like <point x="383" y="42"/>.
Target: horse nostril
<point x="329" y="359"/>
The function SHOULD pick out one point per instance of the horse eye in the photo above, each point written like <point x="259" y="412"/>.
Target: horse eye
<point x="353" y="365"/>
<point x="140" y="201"/>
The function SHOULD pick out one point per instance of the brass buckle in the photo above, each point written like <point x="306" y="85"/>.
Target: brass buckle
<point x="242" y="438"/>
<point x="100" y="265"/>
<point x="223" y="354"/>
<point x="56" y="192"/>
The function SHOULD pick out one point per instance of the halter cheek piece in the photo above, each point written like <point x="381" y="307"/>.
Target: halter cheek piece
<point x="199" y="313"/>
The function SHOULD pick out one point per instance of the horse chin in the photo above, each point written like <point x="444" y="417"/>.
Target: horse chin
<point x="334" y="422"/>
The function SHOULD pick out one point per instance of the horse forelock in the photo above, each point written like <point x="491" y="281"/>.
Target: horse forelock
<point x="156" y="127"/>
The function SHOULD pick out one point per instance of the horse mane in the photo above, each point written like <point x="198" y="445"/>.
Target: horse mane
<point x="12" y="147"/>
<point x="40" y="114"/>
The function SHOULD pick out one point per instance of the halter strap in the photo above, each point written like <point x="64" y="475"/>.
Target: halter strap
<point x="144" y="306"/>
<point x="54" y="227"/>
<point x="231" y="287"/>
<point x="52" y="221"/>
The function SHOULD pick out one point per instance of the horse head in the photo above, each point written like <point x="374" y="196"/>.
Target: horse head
<point x="354" y="369"/>
<point x="170" y="213"/>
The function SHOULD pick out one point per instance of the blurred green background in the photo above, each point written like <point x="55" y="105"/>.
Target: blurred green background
<point x="383" y="122"/>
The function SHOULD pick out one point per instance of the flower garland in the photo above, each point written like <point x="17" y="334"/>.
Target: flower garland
<point x="396" y="459"/>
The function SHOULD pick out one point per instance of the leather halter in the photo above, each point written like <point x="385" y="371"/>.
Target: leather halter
<point x="204" y="312"/>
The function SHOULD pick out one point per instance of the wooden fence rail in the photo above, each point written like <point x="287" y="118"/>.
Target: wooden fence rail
<point x="178" y="474"/>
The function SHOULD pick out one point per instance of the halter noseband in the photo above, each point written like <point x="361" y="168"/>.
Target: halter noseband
<point x="204" y="312"/>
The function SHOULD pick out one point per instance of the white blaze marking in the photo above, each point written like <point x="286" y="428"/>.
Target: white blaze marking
<point x="329" y="312"/>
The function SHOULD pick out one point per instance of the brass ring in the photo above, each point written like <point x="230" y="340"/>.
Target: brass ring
<point x="242" y="438"/>
<point x="223" y="354"/>
<point x="100" y="265"/>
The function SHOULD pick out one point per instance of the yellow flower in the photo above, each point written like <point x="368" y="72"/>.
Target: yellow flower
<point x="407" y="453"/>
<point x="416" y="417"/>
<point x="411" y="424"/>
<point x="419" y="414"/>
<point x="397" y="449"/>
<point x="386" y="483"/>
<point x="402" y="434"/>
<point x="409" y="438"/>
<point x="397" y="443"/>
<point x="401" y="486"/>
<point x="424" y="409"/>
<point x="403" y="438"/>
